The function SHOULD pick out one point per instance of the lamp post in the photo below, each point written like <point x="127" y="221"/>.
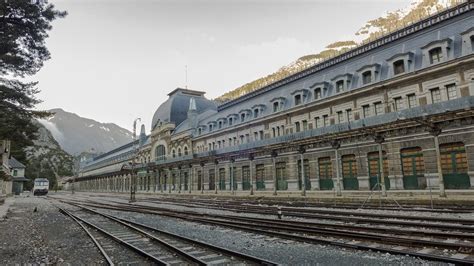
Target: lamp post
<point x="251" y="158"/>
<point x="302" y="150"/>
<point x="133" y="185"/>
<point x="336" y="144"/>
<point x="379" y="140"/>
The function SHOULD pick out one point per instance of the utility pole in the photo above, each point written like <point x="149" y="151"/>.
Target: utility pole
<point x="133" y="185"/>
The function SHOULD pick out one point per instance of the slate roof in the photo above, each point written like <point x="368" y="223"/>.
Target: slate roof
<point x="14" y="163"/>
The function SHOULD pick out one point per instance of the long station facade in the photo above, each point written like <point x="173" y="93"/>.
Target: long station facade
<point x="392" y="114"/>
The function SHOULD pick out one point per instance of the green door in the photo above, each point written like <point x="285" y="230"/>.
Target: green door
<point x="245" y="178"/>
<point x="233" y="179"/>
<point x="186" y="181"/>
<point x="212" y="179"/>
<point x="306" y="175"/>
<point x="222" y="179"/>
<point x="325" y="174"/>
<point x="412" y="167"/>
<point x="349" y="172"/>
<point x="374" y="170"/>
<point x="260" y="177"/>
<point x="454" y="166"/>
<point x="281" y="176"/>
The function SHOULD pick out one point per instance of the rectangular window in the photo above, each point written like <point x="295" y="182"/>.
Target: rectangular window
<point x="261" y="134"/>
<point x="220" y="124"/>
<point x="349" y="115"/>
<point x="398" y="67"/>
<point x="317" y="122"/>
<point x="255" y="135"/>
<point x="367" y="77"/>
<point x="398" y="104"/>
<point x="231" y="121"/>
<point x="451" y="91"/>
<point x="339" y="86"/>
<point x="305" y="125"/>
<point x="340" y="117"/>
<point x="366" y="111"/>
<point x="411" y="100"/>
<point x="242" y="118"/>
<point x="325" y="120"/>
<point x="378" y="108"/>
<point x="297" y="127"/>
<point x="435" y="95"/>
<point x="298" y="99"/>
<point x="276" y="107"/>
<point x="317" y="94"/>
<point x="436" y="55"/>
<point x="255" y="113"/>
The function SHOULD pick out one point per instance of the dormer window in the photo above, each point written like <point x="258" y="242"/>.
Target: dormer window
<point x="436" y="52"/>
<point x="317" y="93"/>
<point x="199" y="131"/>
<point x="401" y="63"/>
<point x="210" y="127"/>
<point x="472" y="43"/>
<point x="399" y="67"/>
<point x="339" y="86"/>
<point x="242" y="117"/>
<point x="231" y="121"/>
<point x="298" y="100"/>
<point x="179" y="152"/>
<point x="369" y="73"/>
<point x="367" y="77"/>
<point x="436" y="55"/>
<point x="258" y="110"/>
<point x="278" y="104"/>
<point x="220" y="124"/>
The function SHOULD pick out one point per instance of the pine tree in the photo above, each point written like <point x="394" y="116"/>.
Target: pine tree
<point x="23" y="29"/>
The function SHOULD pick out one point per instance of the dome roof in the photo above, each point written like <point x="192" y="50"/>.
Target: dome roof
<point x="175" y="109"/>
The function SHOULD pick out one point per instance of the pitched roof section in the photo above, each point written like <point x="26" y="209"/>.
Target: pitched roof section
<point x="14" y="163"/>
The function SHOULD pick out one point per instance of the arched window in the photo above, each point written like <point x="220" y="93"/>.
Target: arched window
<point x="185" y="151"/>
<point x="160" y="152"/>
<point x="179" y="152"/>
<point x="174" y="153"/>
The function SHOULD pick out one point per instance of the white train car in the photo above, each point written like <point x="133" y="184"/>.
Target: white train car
<point x="41" y="186"/>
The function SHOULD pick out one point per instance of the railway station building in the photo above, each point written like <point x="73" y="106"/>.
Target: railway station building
<point x="395" y="113"/>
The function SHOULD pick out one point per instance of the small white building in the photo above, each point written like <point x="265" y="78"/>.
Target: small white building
<point x="17" y="172"/>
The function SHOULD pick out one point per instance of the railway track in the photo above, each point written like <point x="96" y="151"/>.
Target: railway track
<point x="154" y="246"/>
<point x="440" y="246"/>
<point x="444" y="208"/>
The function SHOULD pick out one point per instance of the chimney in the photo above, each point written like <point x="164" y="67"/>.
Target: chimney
<point x="192" y="113"/>
<point x="142" y="137"/>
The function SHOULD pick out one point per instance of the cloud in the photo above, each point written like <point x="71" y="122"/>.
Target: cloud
<point x="57" y="135"/>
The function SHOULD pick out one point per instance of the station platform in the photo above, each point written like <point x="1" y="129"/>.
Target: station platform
<point x="412" y="197"/>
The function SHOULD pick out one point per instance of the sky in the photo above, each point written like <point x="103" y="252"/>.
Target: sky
<point x="116" y="60"/>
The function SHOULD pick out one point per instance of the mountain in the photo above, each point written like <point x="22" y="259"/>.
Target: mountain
<point x="46" y="158"/>
<point x="77" y="134"/>
<point x="373" y="29"/>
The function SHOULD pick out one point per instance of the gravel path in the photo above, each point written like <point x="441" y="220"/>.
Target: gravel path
<point x="43" y="237"/>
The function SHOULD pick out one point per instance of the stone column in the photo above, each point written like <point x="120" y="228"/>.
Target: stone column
<point x="179" y="176"/>
<point x="232" y="179"/>
<point x="169" y="178"/>
<point x="275" y="181"/>
<point x="379" y="140"/>
<point x="202" y="178"/>
<point x="216" y="162"/>
<point x="336" y="145"/>
<point x="435" y="131"/>
<point x="302" y="150"/>
<point x="251" y="158"/>
<point x="191" y="178"/>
